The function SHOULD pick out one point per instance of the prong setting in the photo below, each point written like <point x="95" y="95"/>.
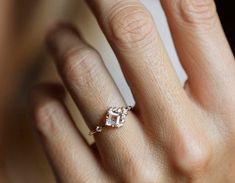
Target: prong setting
<point x="115" y="118"/>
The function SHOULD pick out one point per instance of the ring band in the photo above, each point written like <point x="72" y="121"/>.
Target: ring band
<point x="115" y="118"/>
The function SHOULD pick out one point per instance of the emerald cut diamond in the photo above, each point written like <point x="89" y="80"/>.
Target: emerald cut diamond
<point x="116" y="117"/>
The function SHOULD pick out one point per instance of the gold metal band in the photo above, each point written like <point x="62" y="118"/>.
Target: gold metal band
<point x="115" y="118"/>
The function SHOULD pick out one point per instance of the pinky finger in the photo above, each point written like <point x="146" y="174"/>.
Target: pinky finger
<point x="70" y="156"/>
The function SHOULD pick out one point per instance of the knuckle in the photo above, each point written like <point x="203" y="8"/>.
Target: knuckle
<point x="45" y="120"/>
<point x="75" y="58"/>
<point x="79" y="65"/>
<point x="131" y="26"/>
<point x="196" y="12"/>
<point x="192" y="156"/>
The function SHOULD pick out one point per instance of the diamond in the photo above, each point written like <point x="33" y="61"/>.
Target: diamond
<point x="115" y="117"/>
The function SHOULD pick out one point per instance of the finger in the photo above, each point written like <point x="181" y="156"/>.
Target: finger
<point x="94" y="92"/>
<point x="165" y="110"/>
<point x="131" y="31"/>
<point x="69" y="155"/>
<point x="202" y="48"/>
<point x="84" y="73"/>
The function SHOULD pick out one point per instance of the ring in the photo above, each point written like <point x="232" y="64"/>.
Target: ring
<point x="115" y="118"/>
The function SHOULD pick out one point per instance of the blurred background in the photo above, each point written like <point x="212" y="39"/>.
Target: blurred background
<point x="24" y="62"/>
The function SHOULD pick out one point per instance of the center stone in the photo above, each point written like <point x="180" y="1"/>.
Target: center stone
<point x="114" y="118"/>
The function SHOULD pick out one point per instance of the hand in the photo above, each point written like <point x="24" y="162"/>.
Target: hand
<point x="173" y="134"/>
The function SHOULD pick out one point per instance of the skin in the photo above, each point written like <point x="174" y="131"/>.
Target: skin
<point x="173" y="134"/>
<point x="21" y="37"/>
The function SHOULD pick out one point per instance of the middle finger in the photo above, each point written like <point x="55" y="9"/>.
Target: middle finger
<point x="130" y="29"/>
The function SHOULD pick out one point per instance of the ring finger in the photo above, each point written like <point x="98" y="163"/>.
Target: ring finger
<point x="94" y="92"/>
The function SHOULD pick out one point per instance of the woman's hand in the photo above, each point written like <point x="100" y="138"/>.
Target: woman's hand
<point x="173" y="134"/>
